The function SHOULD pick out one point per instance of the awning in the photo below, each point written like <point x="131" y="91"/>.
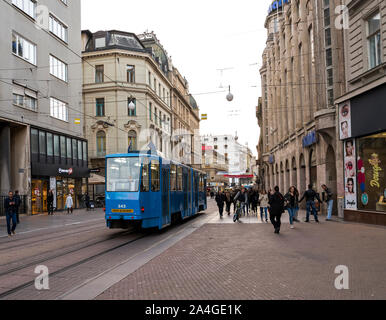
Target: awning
<point x="96" y="179"/>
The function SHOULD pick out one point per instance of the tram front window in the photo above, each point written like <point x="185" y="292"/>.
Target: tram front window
<point x="123" y="174"/>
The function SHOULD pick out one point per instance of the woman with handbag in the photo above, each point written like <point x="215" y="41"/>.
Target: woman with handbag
<point x="291" y="204"/>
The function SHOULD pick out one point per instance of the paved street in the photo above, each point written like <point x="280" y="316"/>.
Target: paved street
<point x="248" y="261"/>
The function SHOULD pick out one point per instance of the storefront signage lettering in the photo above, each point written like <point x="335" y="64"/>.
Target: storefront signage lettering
<point x="374" y="161"/>
<point x="68" y="171"/>
<point x="276" y="5"/>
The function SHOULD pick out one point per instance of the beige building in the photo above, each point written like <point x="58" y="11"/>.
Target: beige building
<point x="302" y="74"/>
<point x="215" y="165"/>
<point x="126" y="94"/>
<point x="361" y="124"/>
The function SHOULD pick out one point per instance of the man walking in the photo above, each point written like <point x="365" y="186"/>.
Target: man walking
<point x="276" y="202"/>
<point x="310" y="196"/>
<point x="220" y="199"/>
<point x="330" y="202"/>
<point x="10" y="213"/>
<point x="50" y="203"/>
<point x="18" y="203"/>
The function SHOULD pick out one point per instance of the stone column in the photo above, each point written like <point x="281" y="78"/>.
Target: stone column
<point x="5" y="160"/>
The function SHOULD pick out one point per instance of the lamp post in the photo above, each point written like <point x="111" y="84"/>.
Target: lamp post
<point x="230" y="95"/>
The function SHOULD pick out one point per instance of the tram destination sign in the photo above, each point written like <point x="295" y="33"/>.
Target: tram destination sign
<point x="276" y="5"/>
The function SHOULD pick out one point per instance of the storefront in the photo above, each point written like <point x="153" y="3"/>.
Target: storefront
<point x="59" y="163"/>
<point x="362" y="127"/>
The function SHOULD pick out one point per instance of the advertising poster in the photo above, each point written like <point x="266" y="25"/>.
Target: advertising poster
<point x="345" y="120"/>
<point x="350" y="173"/>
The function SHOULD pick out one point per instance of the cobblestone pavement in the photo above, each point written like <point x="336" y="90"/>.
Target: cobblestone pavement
<point x="248" y="261"/>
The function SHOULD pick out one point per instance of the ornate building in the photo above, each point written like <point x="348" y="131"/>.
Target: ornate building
<point x="126" y="93"/>
<point x="302" y="74"/>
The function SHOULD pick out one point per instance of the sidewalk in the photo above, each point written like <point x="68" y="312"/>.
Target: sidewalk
<point x="224" y="260"/>
<point x="59" y="219"/>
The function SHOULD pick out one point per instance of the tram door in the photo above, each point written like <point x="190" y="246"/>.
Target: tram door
<point x="165" y="196"/>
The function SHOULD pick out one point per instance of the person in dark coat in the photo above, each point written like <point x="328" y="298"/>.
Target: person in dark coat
<point x="292" y="202"/>
<point x="228" y="201"/>
<point x="50" y="202"/>
<point x="310" y="196"/>
<point x="276" y="202"/>
<point x="18" y="203"/>
<point x="220" y="199"/>
<point x="87" y="201"/>
<point x="254" y="200"/>
<point x="10" y="213"/>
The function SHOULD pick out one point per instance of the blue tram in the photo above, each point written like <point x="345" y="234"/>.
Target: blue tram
<point x="149" y="191"/>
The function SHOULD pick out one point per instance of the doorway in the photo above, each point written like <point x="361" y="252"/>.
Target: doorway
<point x="39" y="195"/>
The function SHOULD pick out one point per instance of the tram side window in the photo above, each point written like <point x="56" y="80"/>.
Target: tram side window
<point x="145" y="186"/>
<point x="155" y="176"/>
<point x="179" y="178"/>
<point x="173" y="178"/>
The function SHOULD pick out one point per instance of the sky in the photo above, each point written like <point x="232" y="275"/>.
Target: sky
<point x="202" y="36"/>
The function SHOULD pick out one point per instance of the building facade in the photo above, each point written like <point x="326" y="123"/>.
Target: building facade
<point x="302" y="74"/>
<point x="126" y="92"/>
<point x="214" y="165"/>
<point x="361" y="123"/>
<point x="42" y="145"/>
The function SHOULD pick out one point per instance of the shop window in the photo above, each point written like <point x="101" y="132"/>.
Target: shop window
<point x="155" y="176"/>
<point x="371" y="176"/>
<point x="145" y="179"/>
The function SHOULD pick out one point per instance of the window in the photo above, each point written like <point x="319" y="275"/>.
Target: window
<point x="179" y="178"/>
<point x="330" y="78"/>
<point x="23" y="48"/>
<point x="84" y="151"/>
<point x="155" y="116"/>
<point x="56" y="146"/>
<point x="123" y="174"/>
<point x="330" y="96"/>
<point x="132" y="113"/>
<point x="25" y="98"/>
<point x="58" y="68"/>
<point x="99" y="74"/>
<point x="34" y="141"/>
<point x="50" y="146"/>
<point x="328" y="37"/>
<point x="80" y="153"/>
<point x="28" y="6"/>
<point x="173" y="177"/>
<point x="149" y="78"/>
<point x="74" y="149"/>
<point x="58" y="28"/>
<point x="329" y="57"/>
<point x="58" y="109"/>
<point x="62" y="146"/>
<point x="374" y="40"/>
<point x="100" y="43"/>
<point x="101" y="143"/>
<point x="155" y="176"/>
<point x="132" y="140"/>
<point x="155" y="84"/>
<point x="145" y="185"/>
<point x="69" y="152"/>
<point x="100" y="107"/>
<point x="150" y="111"/>
<point x="42" y="143"/>
<point x="130" y="70"/>
<point x="159" y="90"/>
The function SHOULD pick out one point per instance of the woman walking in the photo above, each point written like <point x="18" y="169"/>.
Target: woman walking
<point x="264" y="205"/>
<point x="69" y="204"/>
<point x="228" y="201"/>
<point x="292" y="202"/>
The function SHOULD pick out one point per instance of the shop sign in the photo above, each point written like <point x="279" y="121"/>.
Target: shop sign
<point x="67" y="171"/>
<point x="375" y="162"/>
<point x="310" y="139"/>
<point x="271" y="159"/>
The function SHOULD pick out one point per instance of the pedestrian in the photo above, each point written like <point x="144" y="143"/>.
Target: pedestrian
<point x="242" y="196"/>
<point x="50" y="202"/>
<point x="10" y="213"/>
<point x="264" y="205"/>
<point x="220" y="199"/>
<point x="329" y="201"/>
<point x="291" y="204"/>
<point x="211" y="194"/>
<point x="228" y="201"/>
<point x="69" y="203"/>
<point x="87" y="201"/>
<point x="254" y="200"/>
<point x="276" y="202"/>
<point x="18" y="203"/>
<point x="310" y="196"/>
<point x="297" y="207"/>
<point x="233" y="195"/>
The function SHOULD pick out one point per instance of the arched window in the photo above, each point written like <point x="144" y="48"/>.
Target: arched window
<point x="101" y="143"/>
<point x="132" y="140"/>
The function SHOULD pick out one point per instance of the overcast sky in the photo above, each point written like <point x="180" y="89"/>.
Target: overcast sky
<point x="201" y="36"/>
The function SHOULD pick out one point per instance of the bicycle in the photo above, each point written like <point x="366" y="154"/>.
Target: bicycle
<point x="237" y="214"/>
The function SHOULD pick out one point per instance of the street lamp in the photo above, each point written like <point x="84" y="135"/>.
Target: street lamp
<point x="131" y="105"/>
<point x="230" y="95"/>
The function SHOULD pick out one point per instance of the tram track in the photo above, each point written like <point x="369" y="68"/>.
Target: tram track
<point x="68" y="267"/>
<point x="4" y="246"/>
